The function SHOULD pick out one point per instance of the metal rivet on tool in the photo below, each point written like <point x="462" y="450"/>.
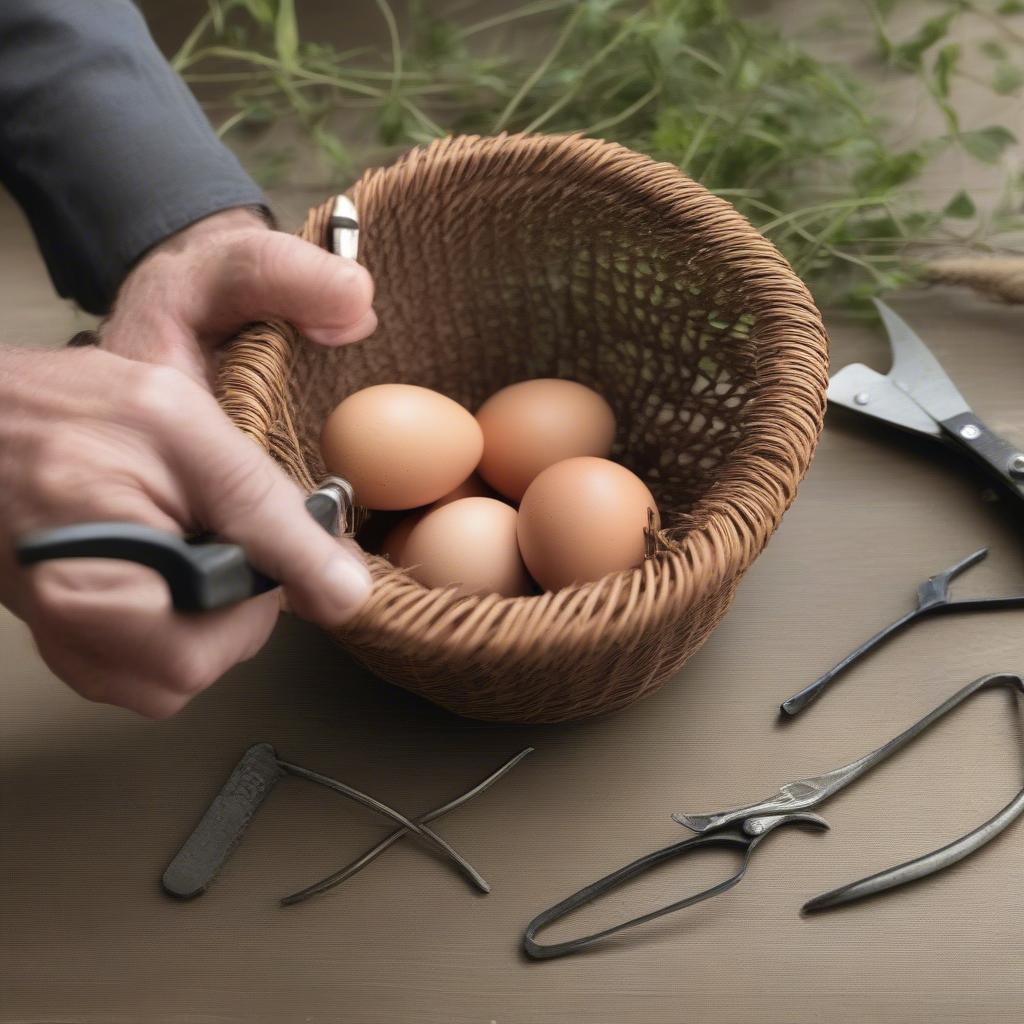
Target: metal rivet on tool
<point x="971" y="432"/>
<point x="862" y="398"/>
<point x="1017" y="466"/>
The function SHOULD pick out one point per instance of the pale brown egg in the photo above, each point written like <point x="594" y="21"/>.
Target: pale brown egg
<point x="472" y="487"/>
<point x="581" y="519"/>
<point x="394" y="541"/>
<point x="393" y="545"/>
<point x="534" y="424"/>
<point x="400" y="446"/>
<point x="470" y="543"/>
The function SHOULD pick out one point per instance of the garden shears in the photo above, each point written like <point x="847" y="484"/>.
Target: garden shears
<point x="918" y="396"/>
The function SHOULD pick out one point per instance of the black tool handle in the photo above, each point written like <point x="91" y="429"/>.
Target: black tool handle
<point x="201" y="574"/>
<point x="1002" y="459"/>
<point x="206" y="850"/>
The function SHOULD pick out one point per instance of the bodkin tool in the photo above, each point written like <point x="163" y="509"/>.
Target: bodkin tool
<point x="932" y="599"/>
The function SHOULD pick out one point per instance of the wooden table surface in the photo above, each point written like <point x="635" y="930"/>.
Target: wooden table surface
<point x="94" y="800"/>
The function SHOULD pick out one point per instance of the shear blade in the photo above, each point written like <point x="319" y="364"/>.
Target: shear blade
<point x="863" y="390"/>
<point x="917" y="372"/>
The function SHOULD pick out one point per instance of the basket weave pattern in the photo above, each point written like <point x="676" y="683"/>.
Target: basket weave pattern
<point x="548" y="256"/>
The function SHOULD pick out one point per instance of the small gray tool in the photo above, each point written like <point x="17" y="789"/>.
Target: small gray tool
<point x="743" y="828"/>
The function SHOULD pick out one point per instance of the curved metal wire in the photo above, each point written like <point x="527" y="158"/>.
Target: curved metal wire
<point x="374" y="852"/>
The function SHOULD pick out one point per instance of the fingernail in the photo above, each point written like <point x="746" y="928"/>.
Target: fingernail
<point x="335" y="336"/>
<point x="346" y="585"/>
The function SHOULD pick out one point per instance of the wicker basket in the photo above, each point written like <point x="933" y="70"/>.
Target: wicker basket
<point x="505" y="258"/>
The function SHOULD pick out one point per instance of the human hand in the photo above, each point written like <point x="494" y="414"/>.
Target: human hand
<point x="194" y="290"/>
<point x="87" y="435"/>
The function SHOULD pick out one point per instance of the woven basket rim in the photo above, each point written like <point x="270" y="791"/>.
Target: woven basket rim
<point x="732" y="520"/>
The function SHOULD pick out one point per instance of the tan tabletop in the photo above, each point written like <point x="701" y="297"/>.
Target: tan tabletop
<point x="94" y="801"/>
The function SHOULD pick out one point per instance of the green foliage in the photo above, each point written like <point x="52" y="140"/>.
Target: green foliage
<point x="792" y="138"/>
<point x="987" y="144"/>
<point x="960" y="206"/>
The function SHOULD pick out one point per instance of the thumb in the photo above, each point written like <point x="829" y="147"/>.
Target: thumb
<point x="329" y="298"/>
<point x="239" y="492"/>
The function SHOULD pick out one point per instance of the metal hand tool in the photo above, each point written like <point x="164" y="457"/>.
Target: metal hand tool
<point x="932" y="599"/>
<point x="201" y="573"/>
<point x="743" y="828"/>
<point x="917" y="395"/>
<point x="206" y="850"/>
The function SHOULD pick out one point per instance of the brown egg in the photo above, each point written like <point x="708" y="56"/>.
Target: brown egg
<point x="400" y="446"/>
<point x="393" y="545"/>
<point x="534" y="424"/>
<point x="472" y="487"/>
<point x="582" y="519"/>
<point x="470" y="542"/>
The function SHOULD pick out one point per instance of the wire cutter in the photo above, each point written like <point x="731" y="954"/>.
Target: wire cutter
<point x="918" y="396"/>
<point x="743" y="828"/>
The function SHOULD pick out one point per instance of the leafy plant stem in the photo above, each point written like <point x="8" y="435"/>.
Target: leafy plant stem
<point x="567" y="30"/>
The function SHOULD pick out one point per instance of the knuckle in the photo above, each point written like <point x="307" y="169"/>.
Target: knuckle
<point x="190" y="672"/>
<point x="57" y="461"/>
<point x="159" y="706"/>
<point x="49" y="600"/>
<point x="246" y="485"/>
<point x="160" y="396"/>
<point x="92" y="688"/>
<point x="87" y="680"/>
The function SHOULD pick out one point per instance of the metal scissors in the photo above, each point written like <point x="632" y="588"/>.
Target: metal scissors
<point x="743" y="828"/>
<point x="918" y="396"/>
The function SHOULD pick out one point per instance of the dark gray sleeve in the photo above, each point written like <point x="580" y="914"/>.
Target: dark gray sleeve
<point x="101" y="143"/>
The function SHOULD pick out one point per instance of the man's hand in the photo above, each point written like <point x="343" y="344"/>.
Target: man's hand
<point x="87" y="435"/>
<point x="197" y="288"/>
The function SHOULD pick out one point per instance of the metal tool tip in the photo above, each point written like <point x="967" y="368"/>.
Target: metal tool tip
<point x="792" y="706"/>
<point x="694" y="822"/>
<point x="826" y="901"/>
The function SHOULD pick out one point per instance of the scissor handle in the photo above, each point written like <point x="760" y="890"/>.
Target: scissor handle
<point x="1003" y="460"/>
<point x="740" y="839"/>
<point x="201" y="574"/>
<point x="590" y="893"/>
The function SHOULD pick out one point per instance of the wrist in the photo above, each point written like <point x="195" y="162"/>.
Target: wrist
<point x="237" y="220"/>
